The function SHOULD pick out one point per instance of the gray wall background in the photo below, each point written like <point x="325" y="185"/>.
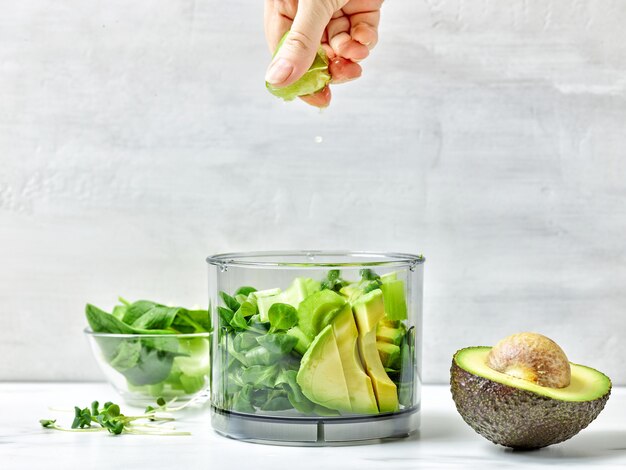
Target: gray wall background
<point x="136" y="138"/>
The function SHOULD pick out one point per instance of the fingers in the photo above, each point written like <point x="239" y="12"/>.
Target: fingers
<point x="365" y="28"/>
<point x="278" y="20"/>
<point x="342" y="43"/>
<point x="321" y="99"/>
<point x="301" y="44"/>
<point x="344" y="70"/>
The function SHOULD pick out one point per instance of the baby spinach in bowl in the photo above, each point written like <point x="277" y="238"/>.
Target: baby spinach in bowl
<point x="148" y="350"/>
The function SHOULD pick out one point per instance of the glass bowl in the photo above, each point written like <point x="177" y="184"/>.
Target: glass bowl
<point x="144" y="367"/>
<point x="316" y="347"/>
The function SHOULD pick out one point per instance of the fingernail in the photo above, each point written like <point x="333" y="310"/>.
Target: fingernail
<point x="278" y="71"/>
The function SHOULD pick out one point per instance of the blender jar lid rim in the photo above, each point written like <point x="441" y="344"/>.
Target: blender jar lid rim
<point x="308" y="259"/>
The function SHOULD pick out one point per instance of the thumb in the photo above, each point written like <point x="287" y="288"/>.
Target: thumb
<point x="301" y="44"/>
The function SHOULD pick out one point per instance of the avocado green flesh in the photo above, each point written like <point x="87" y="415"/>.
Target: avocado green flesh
<point x="321" y="374"/>
<point x="318" y="310"/>
<point x="362" y="398"/>
<point x="586" y="383"/>
<point x="368" y="311"/>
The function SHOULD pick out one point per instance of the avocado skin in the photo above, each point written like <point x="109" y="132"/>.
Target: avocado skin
<point x="518" y="418"/>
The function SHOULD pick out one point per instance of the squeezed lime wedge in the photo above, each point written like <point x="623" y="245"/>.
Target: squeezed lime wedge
<point x="314" y="79"/>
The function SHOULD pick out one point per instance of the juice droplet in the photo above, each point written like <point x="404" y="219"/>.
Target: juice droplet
<point x="319" y="139"/>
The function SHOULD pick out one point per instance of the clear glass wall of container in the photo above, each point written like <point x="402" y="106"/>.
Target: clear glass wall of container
<point x="316" y="348"/>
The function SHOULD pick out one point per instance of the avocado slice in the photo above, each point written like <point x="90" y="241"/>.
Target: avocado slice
<point x="362" y="398"/>
<point x="318" y="310"/>
<point x="321" y="376"/>
<point x="389" y="354"/>
<point x="518" y="413"/>
<point x="390" y="334"/>
<point x="369" y="309"/>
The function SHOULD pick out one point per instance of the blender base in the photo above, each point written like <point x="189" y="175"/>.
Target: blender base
<point x="315" y="431"/>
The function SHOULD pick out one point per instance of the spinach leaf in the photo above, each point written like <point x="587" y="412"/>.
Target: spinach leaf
<point x="245" y="341"/>
<point x="136" y="310"/>
<point x="159" y="317"/>
<point x="245" y="290"/>
<point x="229" y="301"/>
<point x="261" y="356"/>
<point x="103" y="322"/>
<point x="260" y="376"/>
<point x="230" y="347"/>
<point x="248" y="309"/>
<point x="225" y="314"/>
<point x="276" y="402"/>
<point x="277" y="343"/>
<point x="119" y="311"/>
<point x="242" y="400"/>
<point x="239" y="322"/>
<point x="153" y="366"/>
<point x="282" y="317"/>
<point x="163" y="343"/>
<point x="294" y="393"/>
<point x="126" y="355"/>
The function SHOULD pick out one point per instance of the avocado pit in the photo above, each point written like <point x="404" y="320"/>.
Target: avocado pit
<point x="532" y="357"/>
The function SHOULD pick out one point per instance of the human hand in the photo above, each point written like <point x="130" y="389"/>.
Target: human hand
<point x="346" y="29"/>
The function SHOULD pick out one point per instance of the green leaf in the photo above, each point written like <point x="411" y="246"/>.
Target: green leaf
<point x="370" y="286"/>
<point x="282" y="316"/>
<point x="229" y="301"/>
<point x="261" y="356"/>
<point x="276" y="403"/>
<point x="163" y="343"/>
<point x="245" y="290"/>
<point x="230" y="347"/>
<point x="245" y="341"/>
<point x="278" y="343"/>
<point x="153" y="367"/>
<point x="47" y="423"/>
<point x="368" y="275"/>
<point x="82" y="418"/>
<point x="159" y="317"/>
<point x="225" y="314"/>
<point x="239" y="321"/>
<point x="294" y="393"/>
<point x="260" y="376"/>
<point x="202" y="318"/>
<point x="333" y="281"/>
<point x="136" y="310"/>
<point x="103" y="322"/>
<point x="119" y="311"/>
<point x="248" y="309"/>
<point x="242" y="400"/>
<point x="127" y="355"/>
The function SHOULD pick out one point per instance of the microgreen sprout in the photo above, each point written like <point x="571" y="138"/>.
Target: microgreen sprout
<point x="109" y="418"/>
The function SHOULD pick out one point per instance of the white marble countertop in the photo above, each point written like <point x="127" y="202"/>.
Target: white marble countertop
<point x="444" y="441"/>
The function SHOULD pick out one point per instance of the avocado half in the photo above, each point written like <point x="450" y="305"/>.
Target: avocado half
<point x="518" y="413"/>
